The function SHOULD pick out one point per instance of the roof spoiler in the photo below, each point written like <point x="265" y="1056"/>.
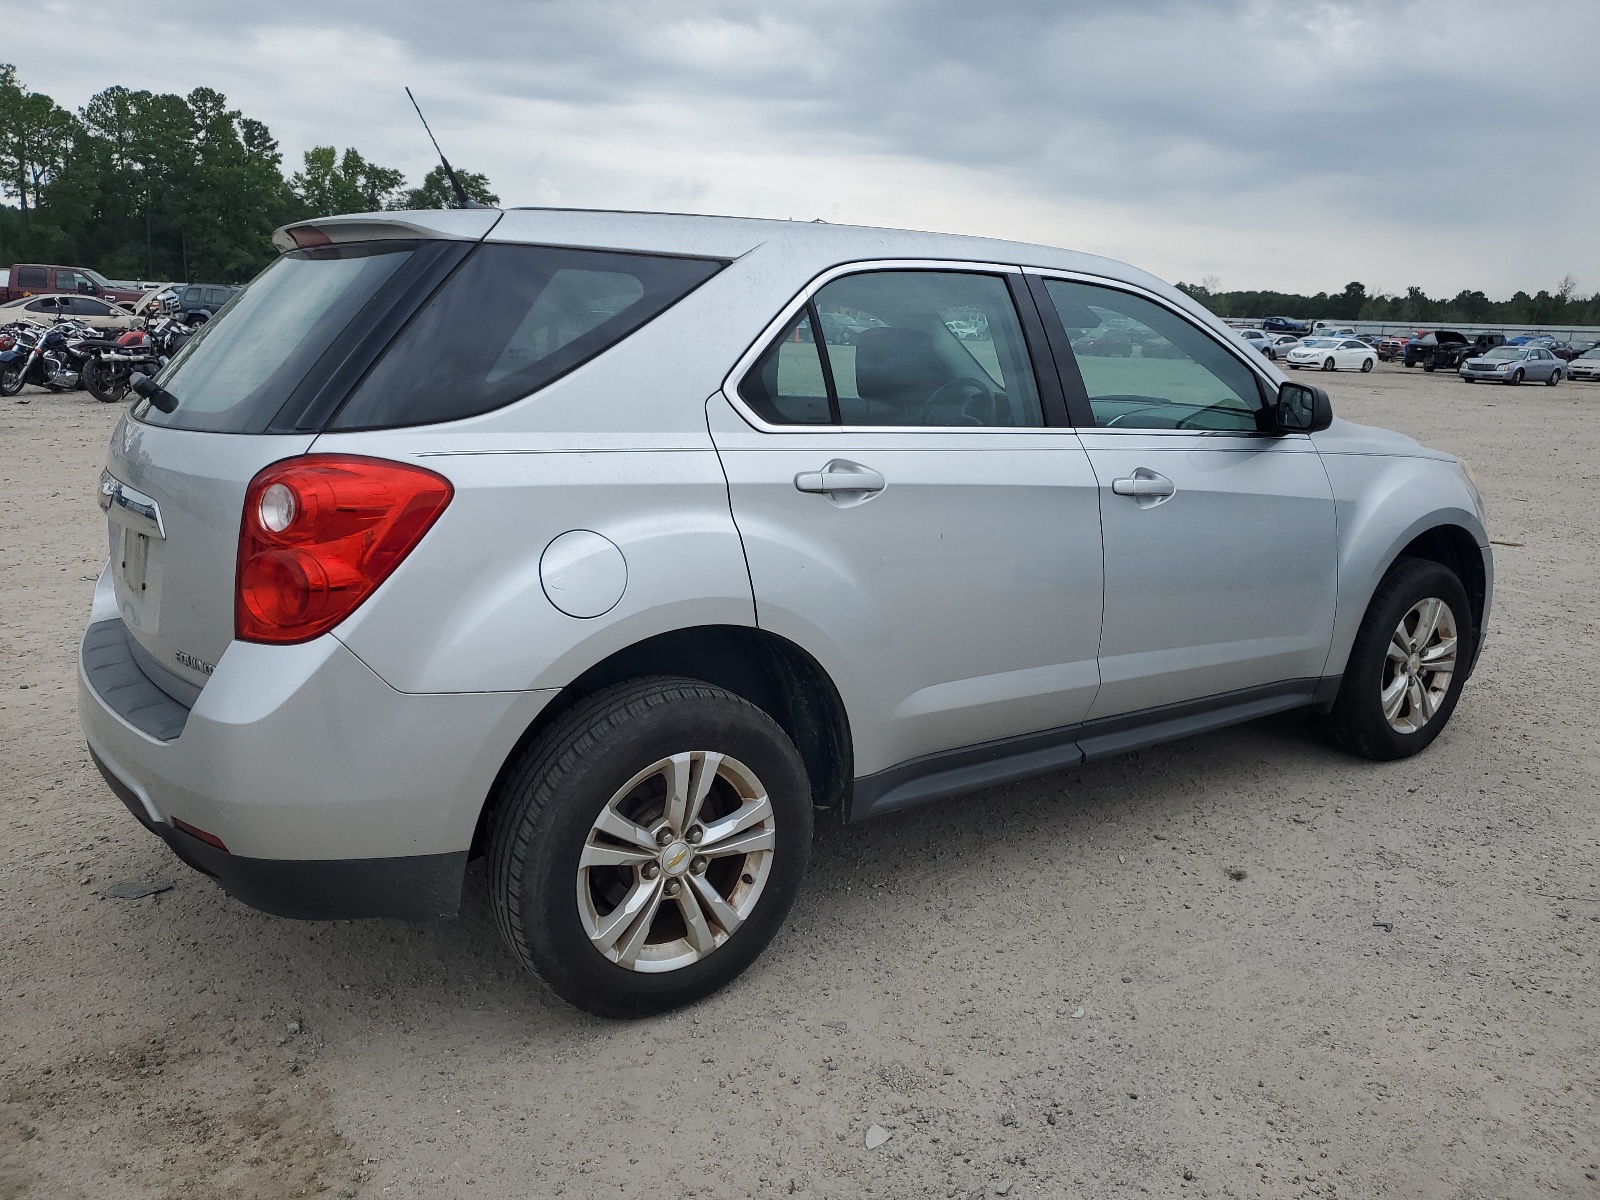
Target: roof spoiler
<point x="457" y="225"/>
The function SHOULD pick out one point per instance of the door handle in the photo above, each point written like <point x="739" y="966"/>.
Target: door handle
<point x="1145" y="486"/>
<point x="840" y="476"/>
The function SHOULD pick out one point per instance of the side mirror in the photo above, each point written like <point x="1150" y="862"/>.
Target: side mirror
<point x="1302" y="409"/>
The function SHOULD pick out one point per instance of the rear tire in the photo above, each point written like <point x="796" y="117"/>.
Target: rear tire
<point x="103" y="383"/>
<point x="1370" y="718"/>
<point x="1366" y="365"/>
<point x="563" y="878"/>
<point x="1428" y="366"/>
<point x="1555" y="378"/>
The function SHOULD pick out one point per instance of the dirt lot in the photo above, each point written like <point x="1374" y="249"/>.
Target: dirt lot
<point x="1051" y="989"/>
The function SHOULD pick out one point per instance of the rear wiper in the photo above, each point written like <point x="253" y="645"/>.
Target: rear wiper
<point x="153" y="392"/>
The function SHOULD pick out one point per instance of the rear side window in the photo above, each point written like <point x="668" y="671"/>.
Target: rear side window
<point x="29" y="277"/>
<point x="900" y="348"/>
<point x="511" y="320"/>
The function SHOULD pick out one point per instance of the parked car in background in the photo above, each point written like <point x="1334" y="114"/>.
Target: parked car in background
<point x="1513" y="364"/>
<point x="1332" y="354"/>
<point x="37" y="279"/>
<point x="1446" y="348"/>
<point x="99" y="314"/>
<point x="1281" y="345"/>
<point x="203" y="300"/>
<point x="1285" y="325"/>
<point x="1586" y="366"/>
<point x="1258" y="339"/>
<point x="1394" y="346"/>
<point x="329" y="666"/>
<point x="1330" y="329"/>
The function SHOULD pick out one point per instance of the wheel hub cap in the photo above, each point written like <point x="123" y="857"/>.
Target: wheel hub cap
<point x="676" y="861"/>
<point x="675" y="858"/>
<point x="1419" y="665"/>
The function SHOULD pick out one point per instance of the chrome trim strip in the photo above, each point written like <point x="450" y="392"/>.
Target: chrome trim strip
<point x="130" y="508"/>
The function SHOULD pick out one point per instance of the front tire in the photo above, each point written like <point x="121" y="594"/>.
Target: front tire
<point x="11" y="378"/>
<point x="1408" y="664"/>
<point x="1516" y="376"/>
<point x="647" y="846"/>
<point x="1327" y="364"/>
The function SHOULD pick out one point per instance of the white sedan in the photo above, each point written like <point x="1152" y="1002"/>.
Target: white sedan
<point x="1333" y="354"/>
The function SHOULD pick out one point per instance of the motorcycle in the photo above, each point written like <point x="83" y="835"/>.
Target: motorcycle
<point x="109" y="371"/>
<point x="49" y="357"/>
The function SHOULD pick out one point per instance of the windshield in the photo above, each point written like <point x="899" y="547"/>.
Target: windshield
<point x="97" y="277"/>
<point x="239" y="369"/>
<point x="1595" y="353"/>
<point x="1320" y="343"/>
<point x="1506" y="352"/>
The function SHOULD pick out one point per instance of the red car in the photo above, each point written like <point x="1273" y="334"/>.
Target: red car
<point x="39" y="279"/>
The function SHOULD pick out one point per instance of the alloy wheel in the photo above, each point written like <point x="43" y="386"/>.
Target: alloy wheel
<point x="1419" y="665"/>
<point x="676" y="861"/>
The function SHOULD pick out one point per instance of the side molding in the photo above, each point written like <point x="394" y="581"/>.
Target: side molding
<point x="989" y="764"/>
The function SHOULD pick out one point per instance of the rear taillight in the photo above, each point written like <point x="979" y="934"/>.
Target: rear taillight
<point x="6" y="343"/>
<point x="319" y="534"/>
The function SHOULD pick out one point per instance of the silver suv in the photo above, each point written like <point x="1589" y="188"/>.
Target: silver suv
<point x="612" y="545"/>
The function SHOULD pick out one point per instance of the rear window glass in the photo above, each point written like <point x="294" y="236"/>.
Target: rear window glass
<point x="509" y="321"/>
<point x="236" y="372"/>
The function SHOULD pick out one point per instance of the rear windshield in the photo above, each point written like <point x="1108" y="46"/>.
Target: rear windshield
<point x="507" y="321"/>
<point x="236" y="373"/>
<point x="511" y="320"/>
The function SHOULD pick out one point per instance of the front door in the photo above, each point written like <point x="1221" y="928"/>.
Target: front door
<point x="908" y="517"/>
<point x="1220" y="552"/>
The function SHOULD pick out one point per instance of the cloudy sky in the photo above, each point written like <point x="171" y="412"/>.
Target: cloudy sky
<point x="1269" y="144"/>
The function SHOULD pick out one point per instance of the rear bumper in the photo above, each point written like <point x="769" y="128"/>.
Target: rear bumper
<point x="420" y="887"/>
<point x="335" y="794"/>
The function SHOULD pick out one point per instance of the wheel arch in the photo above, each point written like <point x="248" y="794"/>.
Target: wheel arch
<point x="773" y="673"/>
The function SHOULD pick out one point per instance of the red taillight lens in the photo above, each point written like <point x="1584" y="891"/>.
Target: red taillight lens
<point x="6" y="343"/>
<point x="319" y="534"/>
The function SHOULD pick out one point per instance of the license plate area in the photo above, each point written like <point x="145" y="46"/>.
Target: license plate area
<point x="138" y="579"/>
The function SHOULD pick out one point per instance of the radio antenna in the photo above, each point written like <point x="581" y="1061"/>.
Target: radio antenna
<point x="462" y="199"/>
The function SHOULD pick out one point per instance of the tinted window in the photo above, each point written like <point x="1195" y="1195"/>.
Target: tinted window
<point x="29" y="277"/>
<point x="928" y="348"/>
<point x="90" y="308"/>
<point x="1144" y="367"/>
<point x="509" y="321"/>
<point x="902" y="348"/>
<point x="238" y="370"/>
<point x="787" y="385"/>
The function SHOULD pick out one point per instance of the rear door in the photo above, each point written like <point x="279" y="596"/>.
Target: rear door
<point x="909" y="516"/>
<point x="1219" y="540"/>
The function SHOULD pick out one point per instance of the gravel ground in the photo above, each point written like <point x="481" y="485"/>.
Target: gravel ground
<point x="1056" y="988"/>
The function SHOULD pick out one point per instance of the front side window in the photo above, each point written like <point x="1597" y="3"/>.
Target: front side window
<point x="1145" y="367"/>
<point x="512" y="319"/>
<point x="901" y="348"/>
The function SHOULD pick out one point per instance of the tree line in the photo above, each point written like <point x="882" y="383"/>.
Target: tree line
<point x="140" y="185"/>
<point x="1562" y="307"/>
